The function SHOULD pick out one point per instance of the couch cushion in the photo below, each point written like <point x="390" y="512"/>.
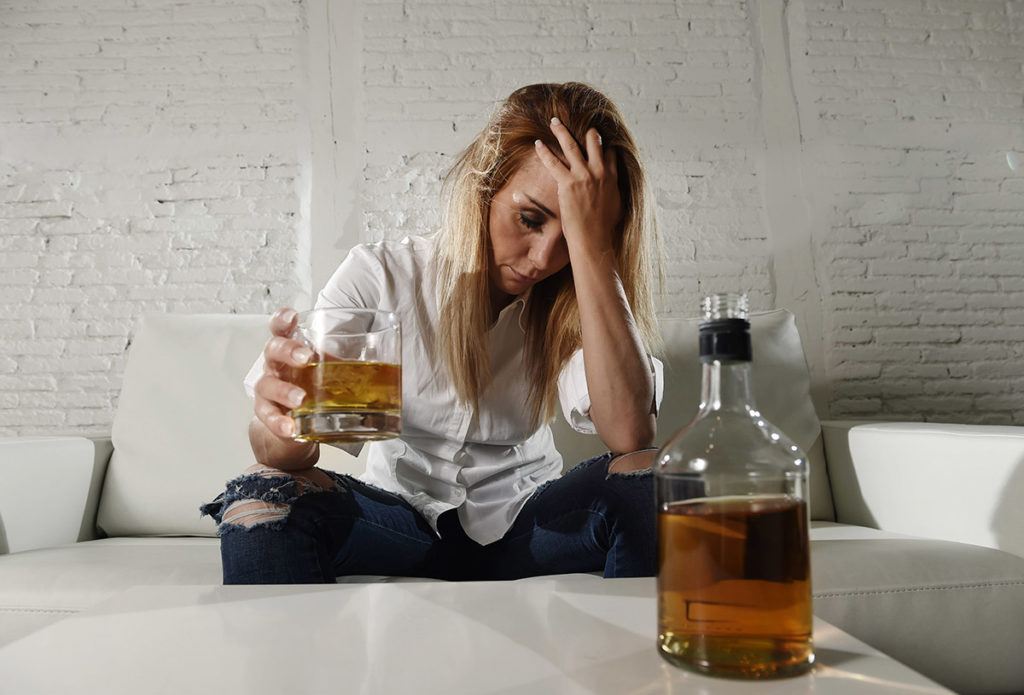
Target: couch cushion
<point x="952" y="611"/>
<point x="182" y="419"/>
<point x="38" y="587"/>
<point x="782" y="386"/>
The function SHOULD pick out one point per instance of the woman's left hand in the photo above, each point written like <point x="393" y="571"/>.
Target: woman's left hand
<point x="589" y="201"/>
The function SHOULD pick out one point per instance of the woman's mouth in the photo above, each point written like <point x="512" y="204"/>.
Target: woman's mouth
<point x="519" y="277"/>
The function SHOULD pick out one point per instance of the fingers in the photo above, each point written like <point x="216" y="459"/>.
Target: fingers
<point x="282" y="350"/>
<point x="552" y="163"/>
<point x="611" y="163"/>
<point x="595" y="158"/>
<point x="274" y="393"/>
<point x="274" y="398"/>
<point x="570" y="148"/>
<point x="283" y="321"/>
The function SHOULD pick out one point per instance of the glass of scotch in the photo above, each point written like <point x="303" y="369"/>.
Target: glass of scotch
<point x="734" y="580"/>
<point x="353" y="382"/>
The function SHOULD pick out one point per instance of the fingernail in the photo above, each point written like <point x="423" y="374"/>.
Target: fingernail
<point x="537" y="143"/>
<point x="302" y="354"/>
<point x="555" y="121"/>
<point x="600" y="140"/>
<point x="288" y="427"/>
<point x="295" y="396"/>
<point x="289" y="315"/>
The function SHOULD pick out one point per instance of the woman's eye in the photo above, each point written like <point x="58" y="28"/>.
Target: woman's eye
<point x="529" y="222"/>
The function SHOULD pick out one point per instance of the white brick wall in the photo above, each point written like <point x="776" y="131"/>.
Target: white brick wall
<point x="843" y="158"/>
<point x="918" y="104"/>
<point x="905" y="269"/>
<point x="150" y="162"/>
<point x="680" y="71"/>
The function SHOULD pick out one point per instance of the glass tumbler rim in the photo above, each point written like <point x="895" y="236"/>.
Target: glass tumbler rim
<point x="390" y="319"/>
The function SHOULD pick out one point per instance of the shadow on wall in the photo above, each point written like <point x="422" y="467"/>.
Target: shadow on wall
<point x="1008" y="519"/>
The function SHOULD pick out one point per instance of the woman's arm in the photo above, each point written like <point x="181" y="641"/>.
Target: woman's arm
<point x="271" y="427"/>
<point x="618" y="370"/>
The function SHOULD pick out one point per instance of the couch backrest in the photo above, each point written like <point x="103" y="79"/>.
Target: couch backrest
<point x="182" y="420"/>
<point x="181" y="425"/>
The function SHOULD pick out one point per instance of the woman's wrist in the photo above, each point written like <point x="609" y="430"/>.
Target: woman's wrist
<point x="278" y="452"/>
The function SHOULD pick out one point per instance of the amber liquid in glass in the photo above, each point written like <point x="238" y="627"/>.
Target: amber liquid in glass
<point x="734" y="596"/>
<point x="348" y="401"/>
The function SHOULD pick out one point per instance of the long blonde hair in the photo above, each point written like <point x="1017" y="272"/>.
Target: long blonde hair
<point x="552" y="319"/>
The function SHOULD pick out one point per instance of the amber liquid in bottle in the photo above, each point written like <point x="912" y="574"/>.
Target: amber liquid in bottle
<point x="734" y="586"/>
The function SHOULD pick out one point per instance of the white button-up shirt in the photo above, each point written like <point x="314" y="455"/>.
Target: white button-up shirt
<point x="485" y="462"/>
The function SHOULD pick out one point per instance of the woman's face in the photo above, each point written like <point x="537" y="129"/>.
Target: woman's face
<point x="526" y="232"/>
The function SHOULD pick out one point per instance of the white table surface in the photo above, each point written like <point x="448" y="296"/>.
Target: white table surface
<point x="567" y="634"/>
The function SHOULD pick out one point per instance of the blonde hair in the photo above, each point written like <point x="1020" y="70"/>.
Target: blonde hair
<point x="462" y="252"/>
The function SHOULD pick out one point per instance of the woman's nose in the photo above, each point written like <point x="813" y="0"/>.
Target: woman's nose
<point x="548" y="252"/>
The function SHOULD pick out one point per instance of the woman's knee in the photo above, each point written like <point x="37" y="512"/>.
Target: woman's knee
<point x="311" y="475"/>
<point x="264" y="496"/>
<point x="248" y="513"/>
<point x="633" y="463"/>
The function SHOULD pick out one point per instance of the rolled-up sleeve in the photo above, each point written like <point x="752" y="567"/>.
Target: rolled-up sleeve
<point x="574" y="395"/>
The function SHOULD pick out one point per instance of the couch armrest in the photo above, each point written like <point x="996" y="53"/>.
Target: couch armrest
<point x="960" y="483"/>
<point x="103" y="447"/>
<point x="46" y="483"/>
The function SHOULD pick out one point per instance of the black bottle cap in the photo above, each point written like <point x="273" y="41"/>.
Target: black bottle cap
<point x="725" y="340"/>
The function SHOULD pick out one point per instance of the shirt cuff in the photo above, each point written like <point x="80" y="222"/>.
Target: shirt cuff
<point x="574" y="395"/>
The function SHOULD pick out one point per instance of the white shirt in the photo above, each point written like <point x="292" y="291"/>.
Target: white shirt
<point x="485" y="463"/>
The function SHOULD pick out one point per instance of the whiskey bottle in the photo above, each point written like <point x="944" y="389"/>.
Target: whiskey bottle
<point x="734" y="589"/>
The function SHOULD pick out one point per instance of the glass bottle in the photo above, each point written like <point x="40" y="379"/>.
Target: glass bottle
<point x="734" y="584"/>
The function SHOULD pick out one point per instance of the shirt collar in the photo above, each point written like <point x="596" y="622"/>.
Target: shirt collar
<point x="517" y="306"/>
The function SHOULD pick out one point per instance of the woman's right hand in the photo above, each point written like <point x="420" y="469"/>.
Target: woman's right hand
<point x="270" y="432"/>
<point x="275" y="394"/>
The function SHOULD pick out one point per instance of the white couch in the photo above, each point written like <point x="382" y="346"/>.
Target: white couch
<point x="917" y="539"/>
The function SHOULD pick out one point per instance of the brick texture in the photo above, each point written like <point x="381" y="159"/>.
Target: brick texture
<point x="150" y="162"/>
<point x="918" y="108"/>
<point x="910" y="114"/>
<point x="681" y="73"/>
<point x="156" y="158"/>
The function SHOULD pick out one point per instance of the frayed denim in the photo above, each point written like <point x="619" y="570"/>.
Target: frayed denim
<point x="588" y="520"/>
<point x="280" y="491"/>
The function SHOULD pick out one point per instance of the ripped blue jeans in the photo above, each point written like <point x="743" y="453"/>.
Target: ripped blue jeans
<point x="588" y="520"/>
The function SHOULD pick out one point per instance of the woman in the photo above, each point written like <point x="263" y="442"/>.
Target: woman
<point x="540" y="272"/>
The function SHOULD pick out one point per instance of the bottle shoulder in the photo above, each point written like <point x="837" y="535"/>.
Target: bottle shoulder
<point x="730" y="439"/>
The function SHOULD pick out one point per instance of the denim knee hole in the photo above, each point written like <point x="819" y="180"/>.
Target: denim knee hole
<point x="261" y="499"/>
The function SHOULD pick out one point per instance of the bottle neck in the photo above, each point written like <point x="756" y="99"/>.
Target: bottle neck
<point x="727" y="386"/>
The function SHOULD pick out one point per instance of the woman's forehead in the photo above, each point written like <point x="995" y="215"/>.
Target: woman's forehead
<point x="533" y="179"/>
